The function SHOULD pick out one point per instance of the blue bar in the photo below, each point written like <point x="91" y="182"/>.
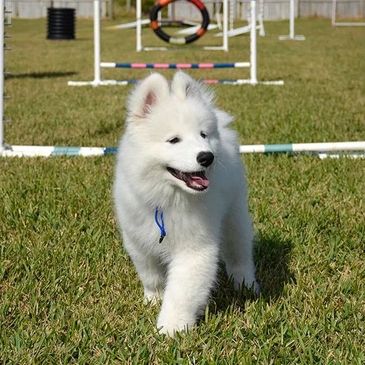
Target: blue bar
<point x="276" y="148"/>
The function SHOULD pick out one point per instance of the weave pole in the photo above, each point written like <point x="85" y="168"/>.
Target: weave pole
<point x="323" y="150"/>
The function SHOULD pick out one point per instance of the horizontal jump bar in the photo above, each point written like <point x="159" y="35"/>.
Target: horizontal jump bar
<point x="317" y="148"/>
<point x="209" y="81"/>
<point x="174" y="65"/>
<point x="304" y="147"/>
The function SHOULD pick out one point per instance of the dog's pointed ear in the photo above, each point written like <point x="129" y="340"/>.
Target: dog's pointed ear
<point x="147" y="94"/>
<point x="223" y="118"/>
<point x="183" y="86"/>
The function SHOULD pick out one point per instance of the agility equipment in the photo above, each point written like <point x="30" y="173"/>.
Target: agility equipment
<point x="335" y="23"/>
<point x="252" y="64"/>
<point x="305" y="147"/>
<point x="155" y="25"/>
<point x="292" y="36"/>
<point x="323" y="150"/>
<point x="2" y="77"/>
<point x="140" y="47"/>
<point x="233" y="32"/>
<point x="174" y="65"/>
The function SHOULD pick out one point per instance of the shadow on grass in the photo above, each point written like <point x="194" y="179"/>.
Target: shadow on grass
<point x="40" y="75"/>
<point x="272" y="257"/>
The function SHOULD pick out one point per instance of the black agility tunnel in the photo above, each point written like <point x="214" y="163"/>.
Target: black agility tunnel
<point x="60" y="23"/>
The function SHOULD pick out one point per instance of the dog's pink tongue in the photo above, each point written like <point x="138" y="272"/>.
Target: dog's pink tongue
<point x="199" y="180"/>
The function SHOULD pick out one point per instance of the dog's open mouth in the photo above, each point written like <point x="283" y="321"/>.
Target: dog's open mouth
<point x="194" y="180"/>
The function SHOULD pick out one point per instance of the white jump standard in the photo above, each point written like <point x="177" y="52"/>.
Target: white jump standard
<point x="336" y="23"/>
<point x="2" y="19"/>
<point x="292" y="36"/>
<point x="251" y="64"/>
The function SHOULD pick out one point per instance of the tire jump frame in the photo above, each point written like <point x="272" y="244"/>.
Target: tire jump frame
<point x="98" y="65"/>
<point x="205" y="16"/>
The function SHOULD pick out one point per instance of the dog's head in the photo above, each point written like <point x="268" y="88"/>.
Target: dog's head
<point x="176" y="129"/>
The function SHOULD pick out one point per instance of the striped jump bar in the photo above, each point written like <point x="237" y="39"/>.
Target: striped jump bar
<point x="49" y="151"/>
<point x="135" y="81"/>
<point x="304" y="147"/>
<point x="347" y="149"/>
<point x="174" y="65"/>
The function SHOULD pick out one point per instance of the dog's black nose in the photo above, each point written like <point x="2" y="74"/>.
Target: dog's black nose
<point x="205" y="158"/>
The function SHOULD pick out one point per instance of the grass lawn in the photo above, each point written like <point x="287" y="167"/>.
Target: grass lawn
<point x="68" y="292"/>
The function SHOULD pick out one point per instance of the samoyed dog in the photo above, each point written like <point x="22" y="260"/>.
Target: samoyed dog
<point x="181" y="198"/>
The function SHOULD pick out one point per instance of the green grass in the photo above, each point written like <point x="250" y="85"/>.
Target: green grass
<point x="69" y="293"/>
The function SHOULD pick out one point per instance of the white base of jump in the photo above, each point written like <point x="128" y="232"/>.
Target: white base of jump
<point x="348" y="24"/>
<point x="240" y="31"/>
<point x="215" y="48"/>
<point x="130" y="25"/>
<point x="193" y="29"/>
<point x="291" y="38"/>
<point x="98" y="83"/>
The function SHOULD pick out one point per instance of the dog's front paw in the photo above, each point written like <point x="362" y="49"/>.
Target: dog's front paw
<point x="151" y="297"/>
<point x="252" y="285"/>
<point x="170" y="326"/>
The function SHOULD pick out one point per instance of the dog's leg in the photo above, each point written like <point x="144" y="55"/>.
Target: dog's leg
<point x="190" y="278"/>
<point x="151" y="272"/>
<point x="237" y="248"/>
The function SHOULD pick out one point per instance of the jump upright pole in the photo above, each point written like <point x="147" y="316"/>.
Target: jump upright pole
<point x="97" y="71"/>
<point x="253" y="44"/>
<point x="292" y="35"/>
<point x="343" y="24"/>
<point x="2" y="18"/>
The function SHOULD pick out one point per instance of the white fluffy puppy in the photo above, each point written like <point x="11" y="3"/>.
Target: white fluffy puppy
<point x="181" y="198"/>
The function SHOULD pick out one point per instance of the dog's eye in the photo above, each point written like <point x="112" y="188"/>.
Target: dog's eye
<point x="203" y="135"/>
<point x="174" y="140"/>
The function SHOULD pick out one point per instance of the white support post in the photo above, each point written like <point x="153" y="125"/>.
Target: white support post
<point x="225" y="25"/>
<point x="292" y="35"/>
<point x="97" y="70"/>
<point x="253" y="45"/>
<point x="334" y="5"/>
<point x="97" y="50"/>
<point x="2" y="18"/>
<point x="139" y="46"/>
<point x="232" y="7"/>
<point x="224" y="34"/>
<point x="345" y="24"/>
<point x="260" y="19"/>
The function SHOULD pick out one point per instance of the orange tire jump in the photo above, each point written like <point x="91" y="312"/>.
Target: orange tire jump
<point x="178" y="40"/>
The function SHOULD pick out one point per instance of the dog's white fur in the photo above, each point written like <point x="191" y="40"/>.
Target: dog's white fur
<point x="202" y="227"/>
